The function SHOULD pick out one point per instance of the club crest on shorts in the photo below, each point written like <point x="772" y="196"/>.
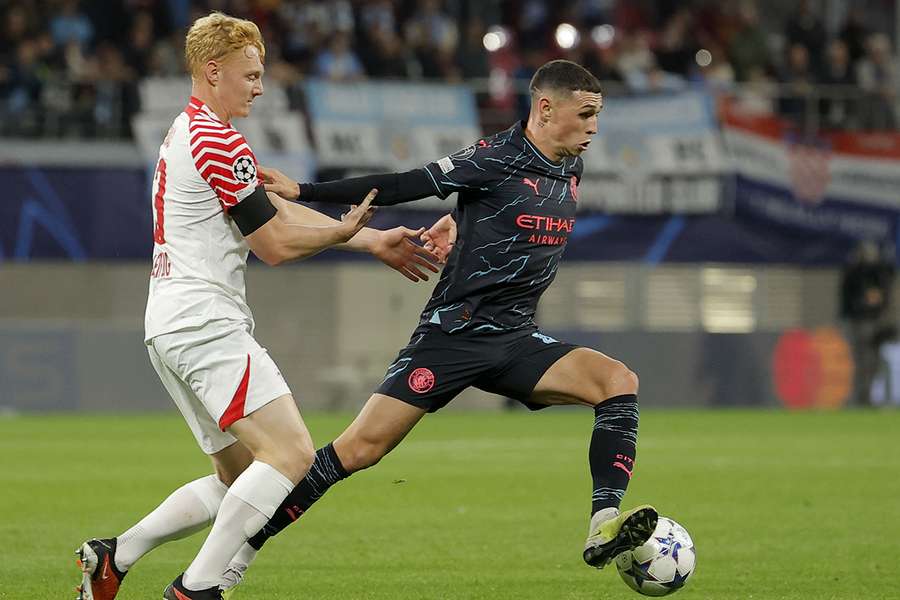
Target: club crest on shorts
<point x="421" y="380"/>
<point x="244" y="170"/>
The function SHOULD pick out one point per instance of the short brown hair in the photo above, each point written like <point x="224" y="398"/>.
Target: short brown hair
<point x="564" y="75"/>
<point x="215" y="35"/>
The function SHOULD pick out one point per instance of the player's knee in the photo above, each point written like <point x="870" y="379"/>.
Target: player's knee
<point x="292" y="458"/>
<point x="617" y="381"/>
<point x="362" y="456"/>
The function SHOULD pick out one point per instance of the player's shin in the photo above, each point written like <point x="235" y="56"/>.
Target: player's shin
<point x="188" y="509"/>
<point x="612" y="450"/>
<point x="325" y="471"/>
<point x="252" y="499"/>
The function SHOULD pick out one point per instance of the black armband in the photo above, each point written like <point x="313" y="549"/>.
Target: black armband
<point x="253" y="212"/>
<point x="393" y="188"/>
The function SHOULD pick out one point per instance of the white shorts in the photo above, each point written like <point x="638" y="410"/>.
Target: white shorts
<point x="216" y="374"/>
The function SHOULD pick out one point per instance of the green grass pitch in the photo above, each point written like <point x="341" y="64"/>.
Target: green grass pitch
<point x="486" y="505"/>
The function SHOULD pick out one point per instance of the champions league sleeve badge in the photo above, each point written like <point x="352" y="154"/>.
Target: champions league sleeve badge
<point x="244" y="170"/>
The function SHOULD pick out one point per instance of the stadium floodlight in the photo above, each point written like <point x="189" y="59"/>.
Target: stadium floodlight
<point x="603" y="35"/>
<point x="566" y="36"/>
<point x="703" y="57"/>
<point x="495" y="39"/>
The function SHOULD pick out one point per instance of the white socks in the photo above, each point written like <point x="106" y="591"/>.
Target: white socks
<point x="249" y="504"/>
<point x="187" y="510"/>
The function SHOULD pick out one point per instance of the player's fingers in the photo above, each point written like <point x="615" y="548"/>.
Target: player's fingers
<point x="417" y="272"/>
<point x="367" y="201"/>
<point x="427" y="263"/>
<point x="366" y="216"/>
<point x="413" y="234"/>
<point x="264" y="175"/>
<point x="405" y="272"/>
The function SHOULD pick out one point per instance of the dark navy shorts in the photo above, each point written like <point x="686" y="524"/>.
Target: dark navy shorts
<point x="436" y="366"/>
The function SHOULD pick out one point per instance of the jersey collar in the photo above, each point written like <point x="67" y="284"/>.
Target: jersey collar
<point x="520" y="130"/>
<point x="196" y="105"/>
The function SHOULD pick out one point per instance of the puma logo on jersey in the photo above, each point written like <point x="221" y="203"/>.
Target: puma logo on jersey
<point x="532" y="184"/>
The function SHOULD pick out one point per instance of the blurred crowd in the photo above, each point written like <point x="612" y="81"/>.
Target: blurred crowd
<point x="71" y="68"/>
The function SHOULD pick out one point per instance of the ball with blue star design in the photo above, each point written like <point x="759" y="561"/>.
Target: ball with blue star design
<point x="663" y="564"/>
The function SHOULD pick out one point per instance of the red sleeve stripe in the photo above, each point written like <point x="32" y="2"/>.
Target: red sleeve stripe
<point x="226" y="197"/>
<point x="229" y="185"/>
<point x="206" y="163"/>
<point x="226" y="149"/>
<point x="198" y="135"/>
<point x="205" y="153"/>
<point x="198" y="132"/>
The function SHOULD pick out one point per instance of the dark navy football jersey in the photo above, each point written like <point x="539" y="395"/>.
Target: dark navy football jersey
<point x="515" y="211"/>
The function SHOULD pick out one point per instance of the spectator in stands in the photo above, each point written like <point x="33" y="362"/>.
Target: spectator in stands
<point x="797" y="81"/>
<point x="836" y="108"/>
<point x="877" y="76"/>
<point x="387" y="56"/>
<point x="139" y="47"/>
<point x="854" y="32"/>
<point x="22" y="89"/>
<point x="471" y="56"/>
<point x="804" y="27"/>
<point x="302" y="32"/>
<point x="635" y="56"/>
<point x="866" y="285"/>
<point x="433" y="36"/>
<point x="17" y="27"/>
<point x="378" y="16"/>
<point x="718" y="74"/>
<point x="71" y="26"/>
<point x="749" y="48"/>
<point x="338" y="62"/>
<point x="757" y="94"/>
<point x="676" y="47"/>
<point x="601" y="61"/>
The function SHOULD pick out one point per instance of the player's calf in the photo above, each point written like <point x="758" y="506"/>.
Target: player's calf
<point x="100" y="578"/>
<point x="611" y="533"/>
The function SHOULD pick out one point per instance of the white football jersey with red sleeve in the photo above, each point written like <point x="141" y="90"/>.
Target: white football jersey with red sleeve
<point x="199" y="256"/>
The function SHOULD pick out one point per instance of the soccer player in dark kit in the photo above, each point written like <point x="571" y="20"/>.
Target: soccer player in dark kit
<point x="518" y="192"/>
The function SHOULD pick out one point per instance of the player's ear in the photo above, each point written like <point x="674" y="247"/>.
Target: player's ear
<point x="545" y="109"/>
<point x="211" y="70"/>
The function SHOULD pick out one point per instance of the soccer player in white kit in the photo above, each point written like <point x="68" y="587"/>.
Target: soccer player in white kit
<point x="209" y="211"/>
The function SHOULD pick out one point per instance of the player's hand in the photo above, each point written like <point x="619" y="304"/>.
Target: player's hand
<point x="278" y="183"/>
<point x="397" y="249"/>
<point x="440" y="237"/>
<point x="357" y="217"/>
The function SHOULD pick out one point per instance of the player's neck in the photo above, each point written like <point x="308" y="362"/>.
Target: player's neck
<point x="538" y="136"/>
<point x="208" y="97"/>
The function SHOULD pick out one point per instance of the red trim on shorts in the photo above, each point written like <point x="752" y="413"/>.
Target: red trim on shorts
<point x="235" y="409"/>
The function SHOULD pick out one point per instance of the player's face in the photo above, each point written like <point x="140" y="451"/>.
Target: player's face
<point x="240" y="80"/>
<point x="573" y="121"/>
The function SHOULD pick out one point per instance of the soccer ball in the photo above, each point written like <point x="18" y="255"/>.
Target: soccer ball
<point x="663" y="564"/>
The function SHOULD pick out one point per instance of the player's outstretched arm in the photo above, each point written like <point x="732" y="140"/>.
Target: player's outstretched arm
<point x="393" y="188"/>
<point x="394" y="247"/>
<point x="276" y="240"/>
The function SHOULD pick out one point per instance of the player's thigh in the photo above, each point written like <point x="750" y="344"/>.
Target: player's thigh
<point x="584" y="376"/>
<point x="227" y="369"/>
<point x="528" y="355"/>
<point x="204" y="428"/>
<point x="382" y="423"/>
<point x="276" y="434"/>
<point x="435" y="367"/>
